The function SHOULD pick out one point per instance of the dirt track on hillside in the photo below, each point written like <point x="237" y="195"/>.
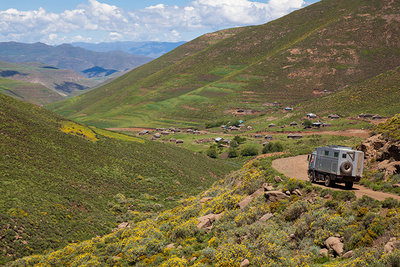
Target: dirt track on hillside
<point x="351" y="132"/>
<point x="296" y="167"/>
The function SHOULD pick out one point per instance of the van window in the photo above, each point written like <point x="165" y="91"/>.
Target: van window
<point x="336" y="154"/>
<point x="326" y="153"/>
<point x="344" y="156"/>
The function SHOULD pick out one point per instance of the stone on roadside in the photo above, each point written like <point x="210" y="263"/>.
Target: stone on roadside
<point x="245" y="263"/>
<point x="274" y="196"/>
<point x="266" y="217"/>
<point x="348" y="255"/>
<point x="334" y="243"/>
<point x="278" y="179"/>
<point x="324" y="252"/>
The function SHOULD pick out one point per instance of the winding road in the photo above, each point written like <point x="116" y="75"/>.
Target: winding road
<point x="296" y="167"/>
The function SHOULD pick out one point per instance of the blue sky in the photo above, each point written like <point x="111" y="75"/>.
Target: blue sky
<point x="56" y="22"/>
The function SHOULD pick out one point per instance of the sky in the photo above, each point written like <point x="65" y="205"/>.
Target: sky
<point x="94" y="21"/>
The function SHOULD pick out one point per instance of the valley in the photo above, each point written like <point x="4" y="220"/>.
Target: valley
<point x="199" y="157"/>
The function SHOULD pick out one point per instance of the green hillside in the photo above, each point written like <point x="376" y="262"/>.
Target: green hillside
<point x="330" y="45"/>
<point x="380" y="94"/>
<point x="29" y="92"/>
<point x="62" y="182"/>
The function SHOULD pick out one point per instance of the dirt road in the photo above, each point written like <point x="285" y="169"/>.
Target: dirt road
<point x="350" y="132"/>
<point x="296" y="167"/>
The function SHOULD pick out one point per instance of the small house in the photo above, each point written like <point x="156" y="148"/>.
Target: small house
<point x="377" y="117"/>
<point x="293" y="123"/>
<point x="249" y="128"/>
<point x="271" y="125"/>
<point x="240" y="110"/>
<point x="294" y="136"/>
<point x="333" y="116"/>
<point x="368" y="116"/>
<point x="144" y="132"/>
<point x="179" y="141"/>
<point x="276" y="104"/>
<point x="157" y="135"/>
<point x="361" y="115"/>
<point x="288" y="109"/>
<point x="268" y="137"/>
<point x="165" y="133"/>
<point x="257" y="136"/>
<point x="196" y="132"/>
<point x="189" y="130"/>
<point x="172" y="140"/>
<point x="311" y="115"/>
<point x="317" y="124"/>
<point x="218" y="139"/>
<point x="234" y="128"/>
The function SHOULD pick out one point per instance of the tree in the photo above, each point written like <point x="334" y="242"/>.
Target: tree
<point x="212" y="152"/>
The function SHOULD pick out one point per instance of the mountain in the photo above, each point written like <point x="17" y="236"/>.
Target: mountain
<point x="329" y="46"/>
<point x="64" y="182"/>
<point x="148" y="49"/>
<point x="68" y="57"/>
<point x="29" y="92"/>
<point x="60" y="81"/>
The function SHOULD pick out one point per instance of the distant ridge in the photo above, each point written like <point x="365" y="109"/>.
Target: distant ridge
<point x="148" y="49"/>
<point x="66" y="56"/>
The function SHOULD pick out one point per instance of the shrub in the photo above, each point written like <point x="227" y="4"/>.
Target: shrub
<point x="295" y="210"/>
<point x="212" y="152"/>
<point x="390" y="203"/>
<point x="233" y="153"/>
<point x="234" y="143"/>
<point x="249" y="150"/>
<point x="272" y="147"/>
<point x="239" y="139"/>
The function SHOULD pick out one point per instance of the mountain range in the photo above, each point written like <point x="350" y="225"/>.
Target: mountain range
<point x="148" y="49"/>
<point x="326" y="47"/>
<point x="66" y="56"/>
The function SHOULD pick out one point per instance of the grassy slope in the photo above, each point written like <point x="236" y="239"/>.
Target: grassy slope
<point x="57" y="187"/>
<point x="329" y="45"/>
<point x="292" y="236"/>
<point x="29" y="92"/>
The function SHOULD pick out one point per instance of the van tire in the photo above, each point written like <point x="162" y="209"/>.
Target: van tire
<point x="328" y="181"/>
<point x="348" y="185"/>
<point x="346" y="168"/>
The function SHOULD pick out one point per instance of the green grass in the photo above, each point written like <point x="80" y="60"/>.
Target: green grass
<point x="60" y="182"/>
<point x="284" y="60"/>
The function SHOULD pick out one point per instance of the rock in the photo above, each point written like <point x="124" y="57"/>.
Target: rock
<point x="348" y="255"/>
<point x="124" y="225"/>
<point x="391" y="245"/>
<point x="205" y="199"/>
<point x="395" y="185"/>
<point x="287" y="193"/>
<point x="335" y="244"/>
<point x="266" y="217"/>
<point x="274" y="196"/>
<point x="245" y="263"/>
<point x="179" y="247"/>
<point x="205" y="222"/>
<point x="193" y="259"/>
<point x="268" y="187"/>
<point x="170" y="246"/>
<point x="248" y="199"/>
<point x="278" y="179"/>
<point x="292" y="236"/>
<point x="324" y="252"/>
<point x="297" y="192"/>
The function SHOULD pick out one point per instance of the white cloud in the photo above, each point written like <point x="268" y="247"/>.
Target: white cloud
<point x="102" y="22"/>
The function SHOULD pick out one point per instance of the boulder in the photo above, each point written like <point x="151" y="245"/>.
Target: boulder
<point x="348" y="255"/>
<point x="248" y="199"/>
<point x="205" y="199"/>
<point x="297" y="192"/>
<point x="266" y="217"/>
<point x="268" y="187"/>
<point x="170" y="246"/>
<point x="245" y="263"/>
<point x="395" y="185"/>
<point x="278" y="179"/>
<point x="391" y="245"/>
<point x="287" y="193"/>
<point x="334" y="243"/>
<point x="193" y="259"/>
<point x="205" y="222"/>
<point x="274" y="196"/>
<point x="324" y="252"/>
<point x="124" y="225"/>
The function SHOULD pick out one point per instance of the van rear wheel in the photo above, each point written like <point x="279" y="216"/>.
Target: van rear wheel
<point x="328" y="181"/>
<point x="348" y="185"/>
